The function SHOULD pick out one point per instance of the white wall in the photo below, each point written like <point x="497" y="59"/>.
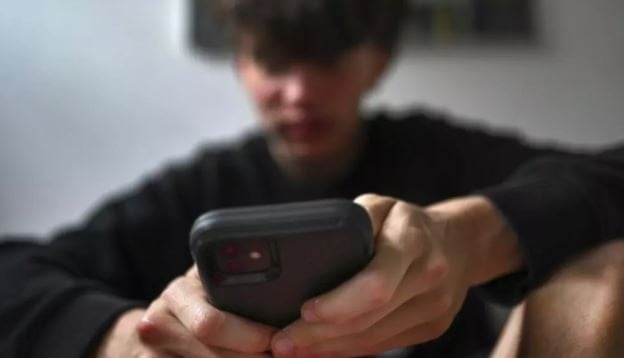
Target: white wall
<point x="93" y="94"/>
<point x="569" y="88"/>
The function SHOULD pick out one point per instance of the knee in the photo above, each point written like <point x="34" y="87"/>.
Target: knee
<point x="606" y="264"/>
<point x="598" y="278"/>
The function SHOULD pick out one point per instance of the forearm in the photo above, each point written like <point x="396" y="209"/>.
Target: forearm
<point x="479" y="228"/>
<point x="41" y="303"/>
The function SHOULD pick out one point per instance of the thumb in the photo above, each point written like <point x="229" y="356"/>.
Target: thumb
<point x="377" y="207"/>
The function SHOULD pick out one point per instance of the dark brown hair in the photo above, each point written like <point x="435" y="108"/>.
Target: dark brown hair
<point x="312" y="30"/>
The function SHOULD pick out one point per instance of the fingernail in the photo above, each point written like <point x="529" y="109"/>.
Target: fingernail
<point x="308" y="314"/>
<point x="284" y="346"/>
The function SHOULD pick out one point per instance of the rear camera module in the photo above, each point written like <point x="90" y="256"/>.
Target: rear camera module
<point x="244" y="256"/>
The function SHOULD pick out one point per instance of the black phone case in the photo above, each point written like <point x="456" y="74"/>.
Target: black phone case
<point x="314" y="247"/>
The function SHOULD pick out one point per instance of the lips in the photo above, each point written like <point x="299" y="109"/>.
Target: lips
<point x="304" y="130"/>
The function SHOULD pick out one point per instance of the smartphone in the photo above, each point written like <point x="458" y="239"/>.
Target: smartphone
<point x="264" y="262"/>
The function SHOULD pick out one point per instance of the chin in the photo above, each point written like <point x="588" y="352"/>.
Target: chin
<point x="309" y="153"/>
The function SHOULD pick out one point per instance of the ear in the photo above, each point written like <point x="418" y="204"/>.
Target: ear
<point x="379" y="62"/>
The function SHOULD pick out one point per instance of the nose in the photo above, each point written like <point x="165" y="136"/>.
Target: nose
<point x="300" y="87"/>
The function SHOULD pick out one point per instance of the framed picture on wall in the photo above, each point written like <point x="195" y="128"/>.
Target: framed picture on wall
<point x="433" y="22"/>
<point x="430" y="23"/>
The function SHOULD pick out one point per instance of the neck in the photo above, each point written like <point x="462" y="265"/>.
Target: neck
<point x="323" y="171"/>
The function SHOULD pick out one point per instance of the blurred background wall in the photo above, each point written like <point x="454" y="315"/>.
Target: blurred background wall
<point x="95" y="94"/>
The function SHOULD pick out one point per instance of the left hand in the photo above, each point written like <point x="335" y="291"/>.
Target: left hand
<point x="408" y="294"/>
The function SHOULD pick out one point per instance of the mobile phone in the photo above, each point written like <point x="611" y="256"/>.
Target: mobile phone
<point x="264" y="262"/>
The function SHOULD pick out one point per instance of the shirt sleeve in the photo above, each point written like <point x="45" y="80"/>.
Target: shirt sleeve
<point x="59" y="298"/>
<point x="559" y="206"/>
<point x="560" y="202"/>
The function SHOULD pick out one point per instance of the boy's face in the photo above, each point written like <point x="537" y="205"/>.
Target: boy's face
<point x="310" y="111"/>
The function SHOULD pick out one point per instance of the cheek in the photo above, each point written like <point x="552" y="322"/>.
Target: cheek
<point x="345" y="97"/>
<point x="265" y="93"/>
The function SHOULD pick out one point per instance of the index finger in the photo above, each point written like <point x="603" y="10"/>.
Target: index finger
<point x="374" y="286"/>
<point x="211" y="326"/>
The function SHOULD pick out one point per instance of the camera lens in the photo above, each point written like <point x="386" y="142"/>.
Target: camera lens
<point x="244" y="256"/>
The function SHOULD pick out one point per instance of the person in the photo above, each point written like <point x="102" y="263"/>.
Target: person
<point x="459" y="213"/>
<point x="578" y="311"/>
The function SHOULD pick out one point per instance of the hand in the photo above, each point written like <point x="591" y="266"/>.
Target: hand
<point x="411" y="290"/>
<point x="182" y="323"/>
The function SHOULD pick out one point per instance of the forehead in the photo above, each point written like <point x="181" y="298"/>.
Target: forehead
<point x="274" y="52"/>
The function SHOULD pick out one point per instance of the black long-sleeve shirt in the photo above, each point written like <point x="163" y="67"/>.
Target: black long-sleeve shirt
<point x="58" y="299"/>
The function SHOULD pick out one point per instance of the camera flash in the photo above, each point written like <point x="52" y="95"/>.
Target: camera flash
<point x="255" y="255"/>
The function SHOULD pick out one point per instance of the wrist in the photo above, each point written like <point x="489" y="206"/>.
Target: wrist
<point x="120" y="334"/>
<point x="481" y="236"/>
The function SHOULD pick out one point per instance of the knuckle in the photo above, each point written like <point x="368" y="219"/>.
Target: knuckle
<point x="149" y="331"/>
<point x="377" y="290"/>
<point x="207" y="324"/>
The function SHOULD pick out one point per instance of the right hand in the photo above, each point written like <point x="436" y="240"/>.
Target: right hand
<point x="182" y="323"/>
